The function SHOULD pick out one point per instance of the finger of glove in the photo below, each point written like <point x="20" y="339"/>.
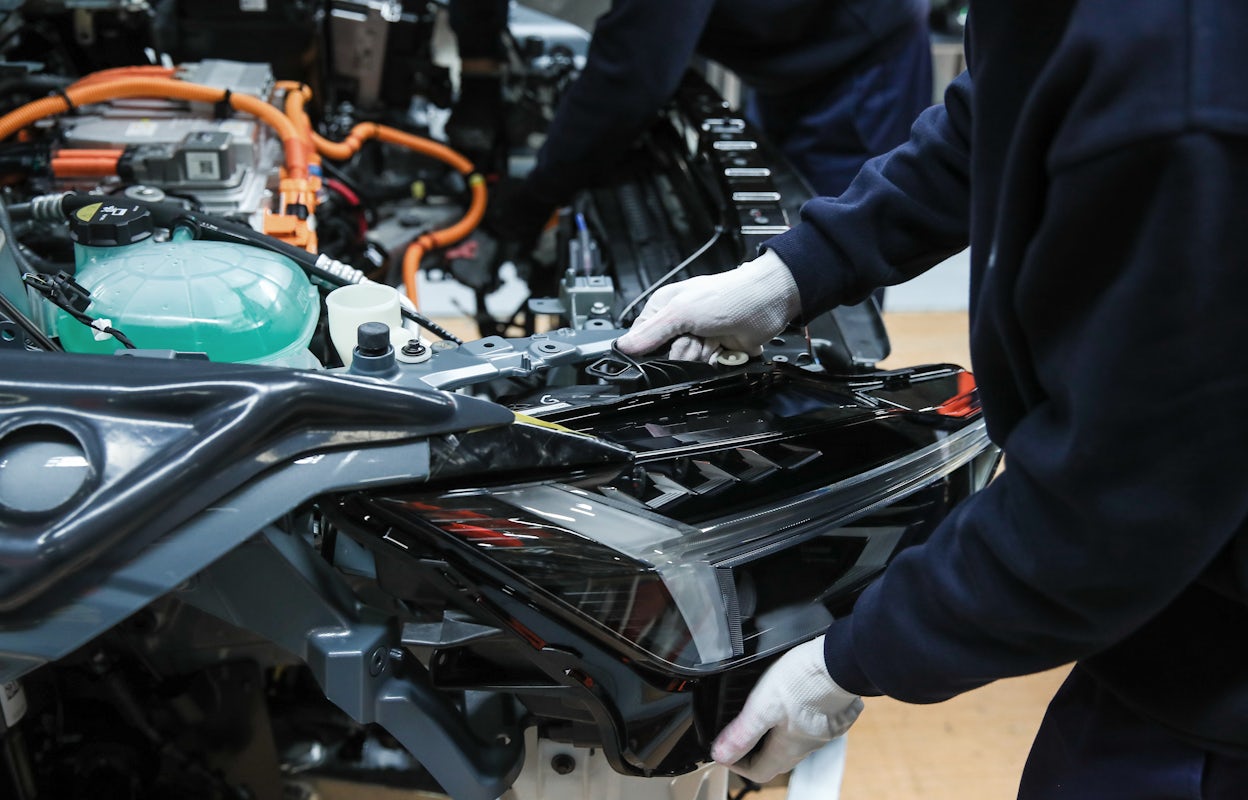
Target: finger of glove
<point x="779" y="753"/>
<point x="650" y="334"/>
<point x="690" y="348"/>
<point x="738" y="738"/>
<point x="659" y="300"/>
<point x="759" y="715"/>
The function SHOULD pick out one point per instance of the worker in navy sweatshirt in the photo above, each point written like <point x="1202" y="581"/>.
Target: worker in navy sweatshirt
<point x="1095" y="158"/>
<point x="834" y="83"/>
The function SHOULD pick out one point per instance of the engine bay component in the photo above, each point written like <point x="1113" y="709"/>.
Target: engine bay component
<point x="227" y="164"/>
<point x="349" y="307"/>
<point x="731" y="358"/>
<point x="233" y="302"/>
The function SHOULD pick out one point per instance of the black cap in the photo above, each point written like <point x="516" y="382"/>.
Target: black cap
<point x="373" y="338"/>
<point x="110" y="223"/>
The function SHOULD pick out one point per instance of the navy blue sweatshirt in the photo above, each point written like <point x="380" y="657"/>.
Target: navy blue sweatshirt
<point x="641" y="48"/>
<point x="1096" y="159"/>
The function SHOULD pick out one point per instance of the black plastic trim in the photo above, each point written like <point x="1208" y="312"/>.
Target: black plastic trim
<point x="165" y="439"/>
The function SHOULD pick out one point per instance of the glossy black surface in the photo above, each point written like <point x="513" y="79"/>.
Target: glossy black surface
<point x="571" y="663"/>
<point x="740" y="441"/>
<point x="625" y="596"/>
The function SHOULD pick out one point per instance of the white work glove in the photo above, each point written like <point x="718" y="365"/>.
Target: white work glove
<point x="797" y="706"/>
<point x="736" y="310"/>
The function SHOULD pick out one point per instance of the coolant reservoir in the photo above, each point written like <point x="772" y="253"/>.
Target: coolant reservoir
<point x="234" y="302"/>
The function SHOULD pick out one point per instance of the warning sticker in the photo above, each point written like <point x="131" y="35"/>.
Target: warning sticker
<point x="203" y="167"/>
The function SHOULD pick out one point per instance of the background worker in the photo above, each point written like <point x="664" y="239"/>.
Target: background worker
<point x="834" y="82"/>
<point x="1096" y="160"/>
<point x="475" y="126"/>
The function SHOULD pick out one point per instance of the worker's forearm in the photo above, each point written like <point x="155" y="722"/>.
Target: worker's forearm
<point x="1124" y="481"/>
<point x="905" y="212"/>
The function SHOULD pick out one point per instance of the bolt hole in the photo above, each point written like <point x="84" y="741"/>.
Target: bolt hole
<point x="7" y="336"/>
<point x="549" y="347"/>
<point x="487" y="344"/>
<point x="777" y="342"/>
<point x="803" y="359"/>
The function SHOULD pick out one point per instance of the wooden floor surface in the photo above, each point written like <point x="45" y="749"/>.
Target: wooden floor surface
<point x="927" y="338"/>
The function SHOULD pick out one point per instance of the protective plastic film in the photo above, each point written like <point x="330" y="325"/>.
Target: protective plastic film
<point x="539" y="533"/>
<point x="696" y="597"/>
<point x="752" y="511"/>
<point x="692" y="585"/>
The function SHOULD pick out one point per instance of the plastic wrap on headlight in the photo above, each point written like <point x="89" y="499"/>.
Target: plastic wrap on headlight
<point x="750" y="512"/>
<point x="694" y="597"/>
<point x="540" y="533"/>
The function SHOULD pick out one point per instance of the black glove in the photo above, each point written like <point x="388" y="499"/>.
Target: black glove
<point x="515" y="217"/>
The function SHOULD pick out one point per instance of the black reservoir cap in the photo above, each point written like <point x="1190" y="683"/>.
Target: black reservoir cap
<point x="373" y="338"/>
<point x="110" y="223"/>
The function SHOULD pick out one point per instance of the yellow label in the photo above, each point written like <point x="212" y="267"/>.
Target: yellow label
<point x="525" y="419"/>
<point x="87" y="212"/>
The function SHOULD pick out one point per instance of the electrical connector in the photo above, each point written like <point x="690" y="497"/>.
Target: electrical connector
<point x="62" y="291"/>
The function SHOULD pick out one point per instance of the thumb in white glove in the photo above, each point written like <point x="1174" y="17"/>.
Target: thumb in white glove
<point x="796" y="706"/>
<point x="735" y="310"/>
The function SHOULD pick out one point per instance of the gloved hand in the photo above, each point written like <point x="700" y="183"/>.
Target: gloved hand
<point x="736" y="310"/>
<point x="515" y="217"/>
<point x="797" y="706"/>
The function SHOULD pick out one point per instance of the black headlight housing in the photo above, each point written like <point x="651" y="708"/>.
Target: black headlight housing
<point x="747" y="512"/>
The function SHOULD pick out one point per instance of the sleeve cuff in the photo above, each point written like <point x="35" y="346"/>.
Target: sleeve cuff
<point x="822" y="283"/>
<point x="838" y="656"/>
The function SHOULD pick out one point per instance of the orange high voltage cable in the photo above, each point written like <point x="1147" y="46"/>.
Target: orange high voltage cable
<point x="446" y="236"/>
<point x="298" y="94"/>
<point x="297" y="192"/>
<point x="84" y="152"/>
<point x="113" y="73"/>
<point x="300" y="144"/>
<point x="84" y="165"/>
<point x="128" y="87"/>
